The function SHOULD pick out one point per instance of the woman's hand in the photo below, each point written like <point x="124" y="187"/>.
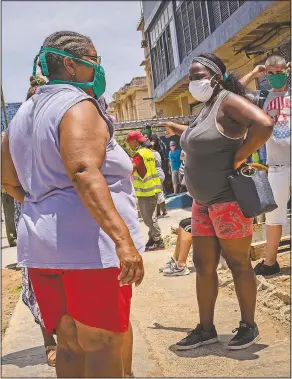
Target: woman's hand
<point x="169" y="128"/>
<point x="131" y="263"/>
<point x="238" y="163"/>
<point x="172" y="129"/>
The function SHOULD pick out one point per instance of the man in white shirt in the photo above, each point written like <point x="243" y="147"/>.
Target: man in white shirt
<point x="278" y="106"/>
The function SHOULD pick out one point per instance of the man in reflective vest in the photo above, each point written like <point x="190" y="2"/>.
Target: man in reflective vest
<point x="147" y="185"/>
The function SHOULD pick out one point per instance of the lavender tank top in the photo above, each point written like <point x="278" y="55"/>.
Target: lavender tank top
<point x="55" y="229"/>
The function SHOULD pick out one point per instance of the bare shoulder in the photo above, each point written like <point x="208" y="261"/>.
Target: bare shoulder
<point x="233" y="100"/>
<point x="84" y="118"/>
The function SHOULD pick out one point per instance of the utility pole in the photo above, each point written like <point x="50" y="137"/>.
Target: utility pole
<point x="4" y="109"/>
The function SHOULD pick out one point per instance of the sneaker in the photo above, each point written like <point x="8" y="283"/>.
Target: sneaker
<point x="262" y="269"/>
<point x="149" y="242"/>
<point x="157" y="245"/>
<point x="246" y="336"/>
<point x="174" y="270"/>
<point x="167" y="265"/>
<point x="197" y="337"/>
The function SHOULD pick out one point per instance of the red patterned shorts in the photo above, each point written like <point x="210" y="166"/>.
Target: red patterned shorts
<point x="224" y="220"/>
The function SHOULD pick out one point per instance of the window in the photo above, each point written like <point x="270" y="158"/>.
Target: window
<point x="161" y="51"/>
<point x="233" y="5"/>
<point x="163" y="21"/>
<point x="221" y="10"/>
<point x="192" y="26"/>
<point x="197" y="19"/>
<point x="170" y="10"/>
<point x="159" y="26"/>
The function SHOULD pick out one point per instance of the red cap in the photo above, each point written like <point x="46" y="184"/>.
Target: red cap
<point x="136" y="136"/>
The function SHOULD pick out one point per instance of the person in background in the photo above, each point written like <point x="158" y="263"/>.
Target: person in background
<point x="8" y="208"/>
<point x="278" y="106"/>
<point x="78" y="231"/>
<point x="214" y="145"/>
<point x="160" y="197"/>
<point x="27" y="293"/>
<point x="159" y="146"/>
<point x="181" y="172"/>
<point x="174" y="165"/>
<point x="147" y="187"/>
<point x="177" y="264"/>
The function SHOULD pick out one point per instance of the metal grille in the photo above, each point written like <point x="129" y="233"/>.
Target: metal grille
<point x="180" y="37"/>
<point x="221" y="10"/>
<point x="161" y="52"/>
<point x="192" y="26"/>
<point x="205" y="20"/>
<point x="214" y="10"/>
<point x="233" y="5"/>
<point x="186" y="28"/>
<point x="199" y="21"/>
<point x="170" y="59"/>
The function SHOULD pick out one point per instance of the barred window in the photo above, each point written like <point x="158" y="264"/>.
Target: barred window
<point x="161" y="51"/>
<point x="220" y="10"/>
<point x="192" y="25"/>
<point x="197" y="19"/>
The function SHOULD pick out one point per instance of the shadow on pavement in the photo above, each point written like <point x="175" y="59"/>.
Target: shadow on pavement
<point x="156" y="325"/>
<point x="220" y="350"/>
<point x="28" y="357"/>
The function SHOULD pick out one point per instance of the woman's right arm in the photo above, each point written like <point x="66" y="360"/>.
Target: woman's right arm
<point x="173" y="129"/>
<point x="83" y="140"/>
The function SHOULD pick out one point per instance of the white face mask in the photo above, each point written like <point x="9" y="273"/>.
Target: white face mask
<point x="201" y="90"/>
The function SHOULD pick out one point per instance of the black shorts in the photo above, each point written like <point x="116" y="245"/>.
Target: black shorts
<point x="186" y="224"/>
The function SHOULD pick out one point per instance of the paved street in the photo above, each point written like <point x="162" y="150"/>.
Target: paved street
<point x="163" y="310"/>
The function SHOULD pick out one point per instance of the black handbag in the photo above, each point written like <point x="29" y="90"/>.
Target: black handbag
<point x="252" y="191"/>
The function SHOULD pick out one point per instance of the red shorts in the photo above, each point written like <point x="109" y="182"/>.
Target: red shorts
<point x="93" y="297"/>
<point x="224" y="220"/>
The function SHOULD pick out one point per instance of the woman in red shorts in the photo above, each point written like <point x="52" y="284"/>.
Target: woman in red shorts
<point x="214" y="145"/>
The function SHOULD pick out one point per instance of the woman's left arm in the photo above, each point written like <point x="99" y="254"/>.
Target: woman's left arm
<point x="258" y="124"/>
<point x="9" y="176"/>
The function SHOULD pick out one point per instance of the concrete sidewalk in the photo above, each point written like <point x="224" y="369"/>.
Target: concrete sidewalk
<point x="163" y="310"/>
<point x="23" y="353"/>
<point x="8" y="254"/>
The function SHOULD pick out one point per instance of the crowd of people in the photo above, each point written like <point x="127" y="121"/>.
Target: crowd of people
<point x="77" y="192"/>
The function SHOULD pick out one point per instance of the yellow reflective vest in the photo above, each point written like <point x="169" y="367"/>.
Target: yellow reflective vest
<point x="150" y="185"/>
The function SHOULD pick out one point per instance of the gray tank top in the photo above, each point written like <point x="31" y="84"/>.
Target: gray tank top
<point x="209" y="158"/>
<point x="55" y="229"/>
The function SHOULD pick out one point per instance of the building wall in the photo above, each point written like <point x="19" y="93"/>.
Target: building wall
<point x="132" y="107"/>
<point x="143" y="109"/>
<point x="149" y="10"/>
<point x="238" y="20"/>
<point x="167" y="108"/>
<point x="171" y="95"/>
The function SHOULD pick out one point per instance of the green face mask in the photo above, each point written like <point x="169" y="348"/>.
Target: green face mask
<point x="98" y="84"/>
<point x="278" y="80"/>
